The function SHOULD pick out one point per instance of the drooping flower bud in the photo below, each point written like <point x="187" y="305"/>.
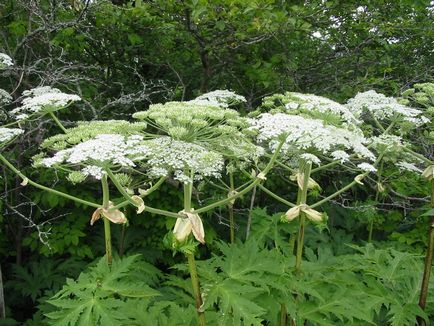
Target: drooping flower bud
<point x="113" y="215"/>
<point x="311" y="214"/>
<point x="312" y="184"/>
<point x="139" y="203"/>
<point x="428" y="173"/>
<point x="191" y="223"/>
<point x="359" y="178"/>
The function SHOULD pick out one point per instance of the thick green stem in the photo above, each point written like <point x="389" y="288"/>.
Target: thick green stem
<point x="57" y="121"/>
<point x="428" y="261"/>
<point x="196" y="288"/>
<point x="188" y="190"/>
<point x="39" y="186"/>
<point x="107" y="232"/>
<point x="231" y="208"/>
<point x="305" y="168"/>
<point x="283" y="315"/>
<point x="377" y="196"/>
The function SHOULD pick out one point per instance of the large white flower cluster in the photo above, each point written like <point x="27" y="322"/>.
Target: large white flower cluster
<point x="222" y="98"/>
<point x="5" y="61"/>
<point x="185" y="160"/>
<point x="309" y="135"/>
<point x="6" y="134"/>
<point x="310" y="102"/>
<point x="5" y="98"/>
<point x="386" y="143"/>
<point x="383" y="107"/>
<point x="42" y="100"/>
<point x="105" y="150"/>
<point x="86" y="130"/>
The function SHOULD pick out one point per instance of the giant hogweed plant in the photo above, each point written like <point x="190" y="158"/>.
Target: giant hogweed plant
<point x="191" y="142"/>
<point x="183" y="141"/>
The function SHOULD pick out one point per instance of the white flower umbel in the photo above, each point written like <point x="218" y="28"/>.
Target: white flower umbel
<point x="86" y="130"/>
<point x="308" y="135"/>
<point x="408" y="167"/>
<point x="42" y="100"/>
<point x="7" y="134"/>
<point x="386" y="143"/>
<point x="5" y="98"/>
<point x="367" y="167"/>
<point x="5" y="61"/>
<point x="340" y="155"/>
<point x="194" y="123"/>
<point x="93" y="170"/>
<point x="185" y="160"/>
<point x="106" y="151"/>
<point x="310" y="102"/>
<point x="310" y="158"/>
<point x="222" y="98"/>
<point x="383" y="108"/>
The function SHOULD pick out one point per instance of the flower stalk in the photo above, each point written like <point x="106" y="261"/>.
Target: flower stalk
<point x="305" y="168"/>
<point x="231" y="208"/>
<point x="107" y="231"/>
<point x="57" y="121"/>
<point x="428" y="260"/>
<point x="188" y="190"/>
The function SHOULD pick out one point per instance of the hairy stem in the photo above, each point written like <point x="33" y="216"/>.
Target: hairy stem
<point x="107" y="232"/>
<point x="249" y="219"/>
<point x="57" y="121"/>
<point x="231" y="208"/>
<point x="305" y="168"/>
<point x="377" y="195"/>
<point x="428" y="260"/>
<point x="283" y="315"/>
<point x="196" y="288"/>
<point x="188" y="190"/>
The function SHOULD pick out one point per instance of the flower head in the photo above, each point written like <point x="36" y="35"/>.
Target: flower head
<point x="5" y="98"/>
<point x="383" y="108"/>
<point x="103" y="151"/>
<point x="87" y="130"/>
<point x="7" y="134"/>
<point x="5" y="61"/>
<point x="221" y="98"/>
<point x="314" y="106"/>
<point x="305" y="135"/>
<point x="42" y="100"/>
<point x="186" y="161"/>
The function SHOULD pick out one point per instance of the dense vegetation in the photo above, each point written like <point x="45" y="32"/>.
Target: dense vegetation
<point x="137" y="190"/>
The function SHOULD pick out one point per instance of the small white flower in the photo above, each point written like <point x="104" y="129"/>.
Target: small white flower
<point x="306" y="135"/>
<point x="43" y="99"/>
<point x="340" y="155"/>
<point x="310" y="158"/>
<point x="408" y="167"/>
<point x="5" y="61"/>
<point x="367" y="167"/>
<point x="221" y="98"/>
<point x="103" y="150"/>
<point x="93" y="170"/>
<point x="7" y="134"/>
<point x="167" y="155"/>
<point x="5" y="98"/>
<point x="383" y="107"/>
